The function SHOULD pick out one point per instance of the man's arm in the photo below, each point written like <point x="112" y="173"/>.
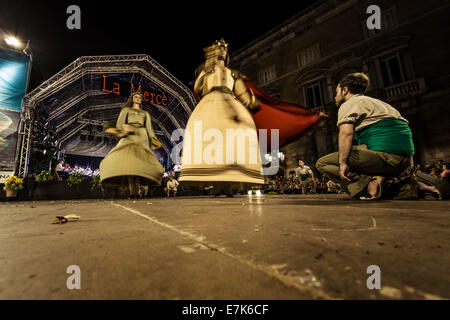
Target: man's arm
<point x="311" y="173"/>
<point x="346" y="131"/>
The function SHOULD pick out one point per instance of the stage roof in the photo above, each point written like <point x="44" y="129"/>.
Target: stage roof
<point x="82" y="96"/>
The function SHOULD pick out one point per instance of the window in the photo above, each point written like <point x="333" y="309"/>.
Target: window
<point x="391" y="69"/>
<point x="313" y="95"/>
<point x="308" y="56"/>
<point x="267" y="75"/>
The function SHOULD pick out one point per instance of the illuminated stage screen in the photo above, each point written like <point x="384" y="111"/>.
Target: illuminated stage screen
<point x="14" y="69"/>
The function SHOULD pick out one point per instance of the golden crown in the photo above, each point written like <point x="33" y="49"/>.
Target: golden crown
<point x="217" y="43"/>
<point x="221" y="43"/>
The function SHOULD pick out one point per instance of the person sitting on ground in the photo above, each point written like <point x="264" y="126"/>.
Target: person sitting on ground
<point x="171" y="186"/>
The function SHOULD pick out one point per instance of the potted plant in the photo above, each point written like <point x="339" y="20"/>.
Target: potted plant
<point x="75" y="179"/>
<point x="12" y="185"/>
<point x="44" y="176"/>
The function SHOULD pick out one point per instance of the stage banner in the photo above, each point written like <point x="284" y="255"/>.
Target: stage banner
<point x="14" y="69"/>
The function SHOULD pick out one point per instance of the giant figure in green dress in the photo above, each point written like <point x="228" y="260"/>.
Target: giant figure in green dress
<point x="132" y="161"/>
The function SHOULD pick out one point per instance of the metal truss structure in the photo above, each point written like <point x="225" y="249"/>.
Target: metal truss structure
<point x="73" y="100"/>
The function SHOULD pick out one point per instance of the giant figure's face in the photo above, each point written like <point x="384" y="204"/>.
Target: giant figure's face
<point x="137" y="98"/>
<point x="221" y="52"/>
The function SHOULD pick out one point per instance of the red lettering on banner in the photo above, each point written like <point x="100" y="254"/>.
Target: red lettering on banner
<point x="116" y="90"/>
<point x="132" y="89"/>
<point x="157" y="97"/>
<point x="104" y="84"/>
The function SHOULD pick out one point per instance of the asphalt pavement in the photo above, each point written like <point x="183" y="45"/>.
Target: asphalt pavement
<point x="289" y="247"/>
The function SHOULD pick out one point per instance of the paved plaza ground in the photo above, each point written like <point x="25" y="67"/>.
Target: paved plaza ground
<point x="246" y="247"/>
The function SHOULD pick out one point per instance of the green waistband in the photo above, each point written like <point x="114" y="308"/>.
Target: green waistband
<point x="387" y="135"/>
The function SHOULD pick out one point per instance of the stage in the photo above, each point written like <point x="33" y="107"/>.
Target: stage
<point x="247" y="247"/>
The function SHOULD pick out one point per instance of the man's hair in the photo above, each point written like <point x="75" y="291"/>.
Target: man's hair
<point x="357" y="83"/>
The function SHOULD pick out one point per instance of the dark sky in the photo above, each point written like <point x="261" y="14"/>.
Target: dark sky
<point x="171" y="32"/>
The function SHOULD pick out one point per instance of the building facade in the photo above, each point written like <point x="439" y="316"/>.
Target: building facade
<point x="407" y="60"/>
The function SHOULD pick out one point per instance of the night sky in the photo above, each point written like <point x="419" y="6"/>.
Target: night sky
<point x="171" y="32"/>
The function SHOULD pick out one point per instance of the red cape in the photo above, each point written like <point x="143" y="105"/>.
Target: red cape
<point x="290" y="119"/>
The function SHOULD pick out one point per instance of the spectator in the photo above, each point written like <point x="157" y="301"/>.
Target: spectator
<point x="177" y="170"/>
<point x="171" y="185"/>
<point x="439" y="165"/>
<point x="332" y="187"/>
<point x="445" y="174"/>
<point x="306" y="176"/>
<point x="435" y="172"/>
<point x="60" y="173"/>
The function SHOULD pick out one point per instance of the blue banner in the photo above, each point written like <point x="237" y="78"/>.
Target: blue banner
<point x="14" y="69"/>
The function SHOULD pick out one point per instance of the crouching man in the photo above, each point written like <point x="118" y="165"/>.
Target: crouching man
<point x="171" y="186"/>
<point x="384" y="141"/>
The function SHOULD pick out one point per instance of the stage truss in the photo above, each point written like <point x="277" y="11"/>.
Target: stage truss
<point x="73" y="100"/>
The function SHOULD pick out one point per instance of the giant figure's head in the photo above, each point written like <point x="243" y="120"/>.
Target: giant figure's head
<point x="217" y="51"/>
<point x="135" y="97"/>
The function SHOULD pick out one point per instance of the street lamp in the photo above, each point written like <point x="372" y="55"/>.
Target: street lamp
<point x="12" y="41"/>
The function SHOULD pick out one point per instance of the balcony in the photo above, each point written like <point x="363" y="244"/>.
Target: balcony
<point x="405" y="89"/>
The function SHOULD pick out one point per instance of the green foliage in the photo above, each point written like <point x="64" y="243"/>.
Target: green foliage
<point x="13" y="183"/>
<point x="44" y="176"/>
<point x="75" y="179"/>
<point x="97" y="184"/>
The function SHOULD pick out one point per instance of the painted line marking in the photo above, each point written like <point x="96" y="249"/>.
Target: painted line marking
<point x="290" y="281"/>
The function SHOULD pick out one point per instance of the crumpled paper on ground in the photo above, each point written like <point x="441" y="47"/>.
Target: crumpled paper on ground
<point x="67" y="218"/>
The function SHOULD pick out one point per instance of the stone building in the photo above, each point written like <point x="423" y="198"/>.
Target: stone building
<point x="407" y="60"/>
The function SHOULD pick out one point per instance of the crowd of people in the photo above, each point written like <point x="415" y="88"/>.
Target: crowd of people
<point x="304" y="181"/>
<point x="439" y="170"/>
<point x="301" y="181"/>
<point x="293" y="185"/>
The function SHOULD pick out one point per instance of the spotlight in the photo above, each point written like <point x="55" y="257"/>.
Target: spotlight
<point x="11" y="41"/>
<point x="258" y="193"/>
<point x="250" y="192"/>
